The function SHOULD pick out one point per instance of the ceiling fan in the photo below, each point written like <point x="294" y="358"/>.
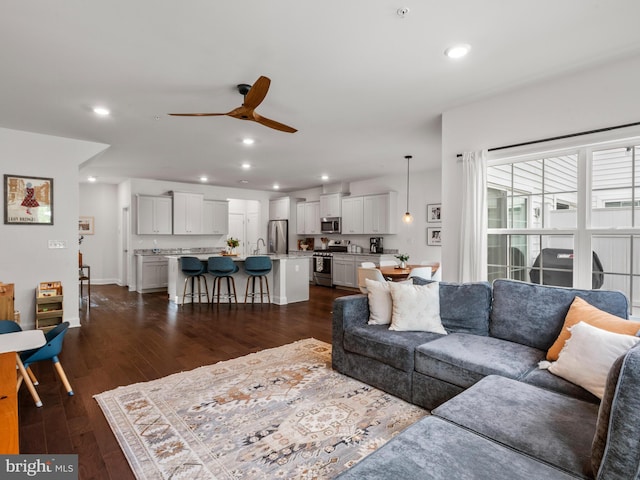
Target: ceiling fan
<point x="253" y="96"/>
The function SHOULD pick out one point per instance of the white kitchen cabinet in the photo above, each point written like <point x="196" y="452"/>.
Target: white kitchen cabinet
<point x="344" y="270"/>
<point x="279" y="208"/>
<point x="215" y="219"/>
<point x="152" y="273"/>
<point x="153" y="215"/>
<point x="331" y="205"/>
<point x="300" y="213"/>
<point x="312" y="218"/>
<point x="379" y="213"/>
<point x="352" y="215"/>
<point x="187" y="213"/>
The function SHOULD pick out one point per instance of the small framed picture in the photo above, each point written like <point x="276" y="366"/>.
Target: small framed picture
<point x="434" y="236"/>
<point x="85" y="226"/>
<point x="434" y="213"/>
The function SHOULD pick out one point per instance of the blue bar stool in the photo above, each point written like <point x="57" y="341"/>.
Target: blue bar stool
<point x="193" y="268"/>
<point x="219" y="268"/>
<point x="257" y="267"/>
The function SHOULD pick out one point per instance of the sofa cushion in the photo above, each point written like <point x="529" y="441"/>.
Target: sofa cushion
<point x="393" y="348"/>
<point x="547" y="380"/>
<point x="434" y="449"/>
<point x="589" y="354"/>
<point x="582" y="311"/>
<point x="548" y="426"/>
<point x="616" y="444"/>
<point x="464" y="307"/>
<point x="462" y="359"/>
<point x="533" y="315"/>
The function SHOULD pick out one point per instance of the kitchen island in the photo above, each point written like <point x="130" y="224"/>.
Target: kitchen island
<point x="288" y="279"/>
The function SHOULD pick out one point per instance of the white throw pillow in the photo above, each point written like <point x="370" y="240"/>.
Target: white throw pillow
<point x="587" y="356"/>
<point x="379" y="302"/>
<point x="416" y="308"/>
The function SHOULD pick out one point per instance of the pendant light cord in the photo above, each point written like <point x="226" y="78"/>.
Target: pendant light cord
<point x="408" y="157"/>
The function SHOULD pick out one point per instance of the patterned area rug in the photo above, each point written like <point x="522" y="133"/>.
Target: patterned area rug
<point x="278" y="413"/>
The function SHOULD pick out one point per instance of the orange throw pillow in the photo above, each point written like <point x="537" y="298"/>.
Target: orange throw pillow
<point x="579" y="311"/>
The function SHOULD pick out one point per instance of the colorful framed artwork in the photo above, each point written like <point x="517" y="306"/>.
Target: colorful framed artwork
<point x="28" y="200"/>
<point x="85" y="226"/>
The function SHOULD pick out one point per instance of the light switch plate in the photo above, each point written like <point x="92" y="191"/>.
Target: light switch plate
<point x="57" y="244"/>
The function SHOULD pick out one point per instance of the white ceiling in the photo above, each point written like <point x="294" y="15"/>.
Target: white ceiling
<point x="363" y="86"/>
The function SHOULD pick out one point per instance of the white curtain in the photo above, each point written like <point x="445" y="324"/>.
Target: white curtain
<point x="473" y="229"/>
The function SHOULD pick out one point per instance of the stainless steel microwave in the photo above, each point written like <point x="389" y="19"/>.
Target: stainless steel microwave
<point x="330" y="225"/>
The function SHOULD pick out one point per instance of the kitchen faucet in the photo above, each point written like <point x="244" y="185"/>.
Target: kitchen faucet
<point x="257" y="250"/>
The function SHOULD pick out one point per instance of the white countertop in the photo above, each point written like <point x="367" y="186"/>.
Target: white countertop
<point x="238" y="258"/>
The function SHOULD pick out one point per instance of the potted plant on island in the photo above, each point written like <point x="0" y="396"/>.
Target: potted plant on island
<point x="232" y="243"/>
<point x="404" y="258"/>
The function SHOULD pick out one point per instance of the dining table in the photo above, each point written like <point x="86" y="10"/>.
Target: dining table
<point x="397" y="273"/>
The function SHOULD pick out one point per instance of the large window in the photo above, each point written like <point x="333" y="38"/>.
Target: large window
<point x="567" y="219"/>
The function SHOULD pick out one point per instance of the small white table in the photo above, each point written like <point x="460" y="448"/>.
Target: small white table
<point x="19" y="342"/>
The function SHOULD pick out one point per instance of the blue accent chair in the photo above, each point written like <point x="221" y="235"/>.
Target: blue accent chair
<point x="219" y="268"/>
<point x="49" y="351"/>
<point x="257" y="267"/>
<point x="192" y="268"/>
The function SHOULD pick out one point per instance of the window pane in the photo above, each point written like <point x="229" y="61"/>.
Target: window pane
<point x="614" y="196"/>
<point x="520" y="257"/>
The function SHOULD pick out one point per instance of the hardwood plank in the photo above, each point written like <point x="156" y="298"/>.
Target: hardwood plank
<point x="126" y="338"/>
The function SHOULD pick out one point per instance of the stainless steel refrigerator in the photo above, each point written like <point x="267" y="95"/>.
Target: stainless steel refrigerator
<point x="278" y="235"/>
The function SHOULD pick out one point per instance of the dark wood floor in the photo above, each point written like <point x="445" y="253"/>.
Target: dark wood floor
<point x="126" y="338"/>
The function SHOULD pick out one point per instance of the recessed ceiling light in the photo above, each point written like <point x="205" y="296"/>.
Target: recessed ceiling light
<point x="92" y="178"/>
<point x="276" y="186"/>
<point x="246" y="166"/>
<point x="101" y="111"/>
<point x="325" y="177"/>
<point x="457" y="51"/>
<point x="203" y="178"/>
<point x="248" y="141"/>
<point x="244" y="181"/>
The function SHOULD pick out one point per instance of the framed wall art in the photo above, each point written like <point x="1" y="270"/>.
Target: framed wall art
<point x="434" y="236"/>
<point x="434" y="213"/>
<point x="28" y="200"/>
<point x="85" y="226"/>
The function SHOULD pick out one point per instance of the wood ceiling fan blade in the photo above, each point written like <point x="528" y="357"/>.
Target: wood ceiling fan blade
<point x="257" y="92"/>
<point x="267" y="122"/>
<point x="196" y="114"/>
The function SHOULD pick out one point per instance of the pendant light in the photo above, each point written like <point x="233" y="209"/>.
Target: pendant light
<point x="407" y="218"/>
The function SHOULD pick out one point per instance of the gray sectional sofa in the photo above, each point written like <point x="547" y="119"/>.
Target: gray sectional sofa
<point x="495" y="415"/>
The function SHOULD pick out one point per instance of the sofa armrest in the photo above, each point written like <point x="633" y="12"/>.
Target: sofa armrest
<point x="348" y="312"/>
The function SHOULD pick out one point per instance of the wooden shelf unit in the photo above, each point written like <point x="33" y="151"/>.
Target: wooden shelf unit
<point x="49" y="305"/>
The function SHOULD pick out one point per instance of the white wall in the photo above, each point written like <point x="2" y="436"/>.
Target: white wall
<point x="25" y="259"/>
<point x="597" y="98"/>
<point x="99" y="250"/>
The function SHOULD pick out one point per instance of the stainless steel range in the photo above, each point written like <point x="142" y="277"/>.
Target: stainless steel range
<point x="323" y="265"/>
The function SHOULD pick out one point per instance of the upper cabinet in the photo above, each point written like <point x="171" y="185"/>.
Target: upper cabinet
<point x="154" y="215"/>
<point x="331" y="205"/>
<point x="279" y="209"/>
<point x="215" y="218"/>
<point x="370" y="214"/>
<point x="187" y="213"/>
<point x="312" y="218"/>
<point x="300" y="211"/>
<point x="352" y="215"/>
<point x="380" y="213"/>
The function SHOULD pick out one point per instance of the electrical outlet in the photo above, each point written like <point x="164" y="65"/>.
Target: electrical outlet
<point x="57" y="244"/>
